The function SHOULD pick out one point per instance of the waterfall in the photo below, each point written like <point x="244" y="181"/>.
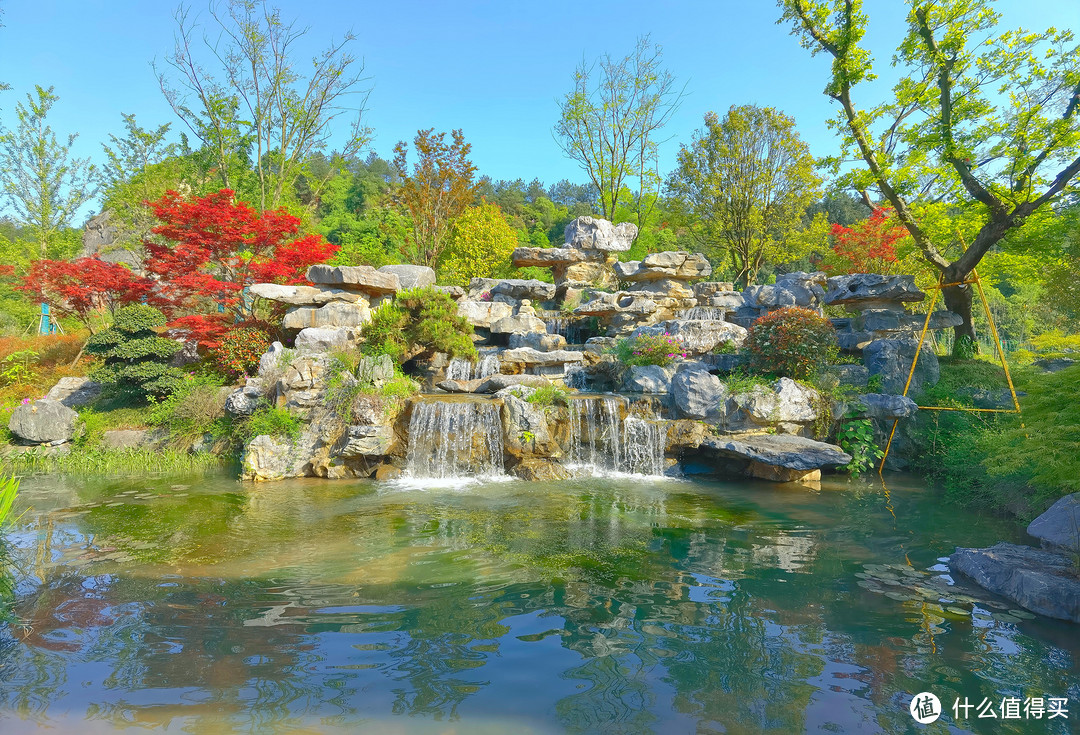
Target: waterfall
<point x="572" y="329"/>
<point x="575" y="376"/>
<point x="700" y="313"/>
<point x="453" y="439"/>
<point x="462" y="369"/>
<point x="601" y="442"/>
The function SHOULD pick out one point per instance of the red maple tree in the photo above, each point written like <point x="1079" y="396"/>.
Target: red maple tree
<point x="869" y="246"/>
<point x="84" y="287"/>
<point x="207" y="250"/>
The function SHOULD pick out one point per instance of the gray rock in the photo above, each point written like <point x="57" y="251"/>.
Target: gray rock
<point x="884" y="321"/>
<point x="871" y="288"/>
<point x="498" y="382"/>
<point x="1040" y="581"/>
<point x="525" y="428"/>
<point x="268" y="458"/>
<point x="698" y="336"/>
<point x="784" y="402"/>
<point x="853" y="375"/>
<point x="599" y="345"/>
<point x="460" y="386"/>
<point x="483" y="313"/>
<point x="362" y="278"/>
<point x="540" y="469"/>
<point x="548" y="257"/>
<point x="303" y="295"/>
<point x="1055" y="364"/>
<point x="538" y="341"/>
<point x="648" y="379"/>
<point x="891" y="359"/>
<point x="325" y="339"/>
<point x="593" y="233"/>
<point x="334" y="314"/>
<point x="517" y="289"/>
<point x="365" y="441"/>
<point x="455" y="292"/>
<point x="670" y="264"/>
<point x="779" y="450"/>
<point x="245" y="400"/>
<point x="727" y="363"/>
<point x="520" y="323"/>
<point x="529" y="357"/>
<point x="1059" y="527"/>
<point x="126" y="438"/>
<point x="186" y="355"/>
<point x="411" y="276"/>
<point x="74" y="392"/>
<point x="884" y="406"/>
<point x="698" y="394"/>
<point x="375" y="370"/>
<point x="275" y="358"/>
<point x="43" y="421"/>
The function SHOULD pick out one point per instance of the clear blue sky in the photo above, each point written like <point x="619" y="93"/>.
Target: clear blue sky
<point x="493" y="68"/>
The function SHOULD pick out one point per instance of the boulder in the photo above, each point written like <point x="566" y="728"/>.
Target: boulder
<point x="334" y="314"/>
<point x="483" y="313"/>
<point x="525" y="428"/>
<point x="243" y="401"/>
<point x="883" y="322"/>
<point x="275" y="358"/>
<point x="784" y="402"/>
<point x="303" y="295"/>
<point x="684" y="434"/>
<point x="362" y="278"/>
<point x="497" y="382"/>
<point x="1038" y="580"/>
<point x="855" y="376"/>
<point x="43" y="421"/>
<point x="802" y="456"/>
<point x="323" y="339"/>
<point x="697" y="336"/>
<point x="1055" y="364"/>
<point x="529" y="357"/>
<point x="538" y="341"/>
<point x="365" y="441"/>
<point x="679" y="265"/>
<point x="375" y="370"/>
<point x="186" y="355"/>
<point x="267" y="458"/>
<point x="648" y="379"/>
<point x="127" y="438"/>
<point x="593" y="233"/>
<point x="74" y="392"/>
<point x="460" y="386"/>
<point x="540" y="469"/>
<point x="410" y="276"/>
<point x="455" y="292"/>
<point x="869" y="289"/>
<point x="885" y="406"/>
<point x="698" y="394"/>
<point x="891" y="359"/>
<point x="521" y="323"/>
<point x="1059" y="527"/>
<point x="517" y="289"/>
<point x="549" y="257"/>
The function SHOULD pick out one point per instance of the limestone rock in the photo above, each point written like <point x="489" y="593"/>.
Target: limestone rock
<point x="852" y="375"/>
<point x="648" y="379"/>
<point x="334" y="314"/>
<point x="523" y="322"/>
<point x="529" y="357"/>
<point x="886" y="406"/>
<point x="127" y="438"/>
<point x="540" y="469"/>
<point x="326" y="339"/>
<point x="593" y="233"/>
<point x="891" y="359"/>
<point x="868" y="289"/>
<point x="365" y="441"/>
<point x="882" y="322"/>
<point x="1059" y="527"/>
<point x="455" y="292"/>
<point x="267" y="458"/>
<point x="525" y="428"/>
<point x="684" y="434"/>
<point x="697" y="336"/>
<point x="375" y="370"/>
<point x="698" y="394"/>
<point x="517" y="289"/>
<point x="275" y="358"/>
<point x="362" y="278"/>
<point x="43" y="421"/>
<point x="538" y="341"/>
<point x="679" y="265"/>
<point x="1040" y="581"/>
<point x="245" y="400"/>
<point x="784" y="402"/>
<point x="548" y="257"/>
<point x="498" y="382"/>
<point x="411" y="276"/>
<point x="74" y="392"/>
<point x="303" y="295"/>
<point x="779" y="450"/>
<point x="483" y="313"/>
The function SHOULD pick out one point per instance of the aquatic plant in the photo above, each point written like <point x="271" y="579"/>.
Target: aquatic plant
<point x="9" y="489"/>
<point x="101" y="461"/>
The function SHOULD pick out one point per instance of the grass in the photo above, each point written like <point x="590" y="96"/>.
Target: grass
<point x="9" y="489"/>
<point x="548" y="396"/>
<point x="110" y="462"/>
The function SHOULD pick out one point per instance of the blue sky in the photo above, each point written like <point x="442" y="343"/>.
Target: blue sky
<point x="492" y="68"/>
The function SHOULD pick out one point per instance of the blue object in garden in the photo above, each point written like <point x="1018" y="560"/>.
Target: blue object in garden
<point x="47" y="325"/>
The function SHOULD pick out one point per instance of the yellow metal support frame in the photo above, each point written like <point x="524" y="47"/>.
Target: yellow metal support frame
<point x="918" y="349"/>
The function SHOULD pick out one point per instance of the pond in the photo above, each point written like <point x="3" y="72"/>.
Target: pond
<point x="613" y="605"/>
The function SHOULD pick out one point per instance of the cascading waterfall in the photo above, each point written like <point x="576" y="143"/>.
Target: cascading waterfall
<point x="462" y="369"/>
<point x="459" y="369"/>
<point x="488" y="365"/>
<point x="449" y="439"/>
<point x="702" y="313"/>
<point x="601" y="442"/>
<point x="571" y="329"/>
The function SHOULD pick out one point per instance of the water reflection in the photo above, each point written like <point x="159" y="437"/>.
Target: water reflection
<point x="628" y="607"/>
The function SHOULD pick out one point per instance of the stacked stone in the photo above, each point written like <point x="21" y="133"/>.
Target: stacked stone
<point x="587" y="259"/>
<point x="882" y="330"/>
<point x="805" y="290"/>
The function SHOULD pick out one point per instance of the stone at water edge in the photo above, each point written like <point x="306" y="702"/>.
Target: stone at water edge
<point x="74" y="392"/>
<point x="543" y="342"/>
<point x="410" y="276"/>
<point x="267" y="458"/>
<point x="483" y="313"/>
<point x="802" y="458"/>
<point x="1038" y="580"/>
<point x="497" y="382"/>
<point x="1059" y="527"/>
<point x="648" y="379"/>
<point x="525" y="428"/>
<point x="365" y="441"/>
<point x="130" y="438"/>
<point x="698" y="394"/>
<point x="540" y="469"/>
<point x="43" y="421"/>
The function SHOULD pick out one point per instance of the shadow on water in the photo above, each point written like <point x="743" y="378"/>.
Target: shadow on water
<point x="615" y="605"/>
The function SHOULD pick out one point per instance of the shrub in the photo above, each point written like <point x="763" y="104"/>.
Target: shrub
<point x="238" y="354"/>
<point x="136" y="359"/>
<point x="271" y="421"/>
<point x="417" y="324"/>
<point x="649" y="349"/>
<point x="547" y="396"/>
<point x="480" y="246"/>
<point x="856" y="437"/>
<point x="195" y="408"/>
<point x="792" y="342"/>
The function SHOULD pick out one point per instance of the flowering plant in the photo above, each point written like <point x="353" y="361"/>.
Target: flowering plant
<point x="650" y="349"/>
<point x="792" y="342"/>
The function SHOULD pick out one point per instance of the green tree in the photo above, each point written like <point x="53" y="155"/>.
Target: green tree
<point x="480" y="246"/>
<point x="437" y="190"/>
<point x="135" y="360"/>
<point x="609" y="122"/>
<point x="983" y="119"/>
<point x="41" y="180"/>
<point x="743" y="185"/>
<point x="264" y="110"/>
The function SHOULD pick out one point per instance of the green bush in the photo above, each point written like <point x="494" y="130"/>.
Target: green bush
<point x="792" y="342"/>
<point x="238" y="354"/>
<point x="856" y="437"/>
<point x="271" y="421"/>
<point x="135" y="359"/>
<point x="417" y="324"/>
<point x="194" y="409"/>
<point x="649" y="349"/>
<point x="548" y="396"/>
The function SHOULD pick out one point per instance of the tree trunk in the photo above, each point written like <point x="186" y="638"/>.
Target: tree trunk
<point x="958" y="299"/>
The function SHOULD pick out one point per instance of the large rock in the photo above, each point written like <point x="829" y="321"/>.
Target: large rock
<point x="334" y="314"/>
<point x="538" y="341"/>
<point x="525" y="428"/>
<point x="697" y="336"/>
<point x="74" y="392"/>
<point x="497" y="382"/>
<point x="1059" y="527"/>
<point x="325" y="339"/>
<point x="517" y="289"/>
<point x="885" y="322"/>
<point x="549" y="257"/>
<point x="593" y="233"/>
<point x="275" y="359"/>
<point x="303" y="295"/>
<point x="362" y="278"/>
<point x="679" y="265"/>
<point x="483" y="313"/>
<point x="784" y="402"/>
<point x="777" y="457"/>
<point x="884" y="406"/>
<point x="698" y="394"/>
<point x="411" y="276"/>
<point x="365" y="441"/>
<point x="245" y="400"/>
<point x="648" y="379"/>
<point x="43" y="421"/>
<point x="268" y="458"/>
<point x="1041" y="581"/>
<point x="375" y="370"/>
<point x="523" y="322"/>
<point x="867" y="290"/>
<point x="529" y="357"/>
<point x="540" y="469"/>
<point x="128" y="438"/>
<point x="891" y="359"/>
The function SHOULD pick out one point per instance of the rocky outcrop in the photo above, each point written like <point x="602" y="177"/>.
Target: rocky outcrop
<point x="593" y="233"/>
<point x="697" y="336"/>
<point x="805" y="290"/>
<point x="525" y="427"/>
<point x="523" y="321"/>
<point x="678" y="265"/>
<point x="652" y="379"/>
<point x="357" y="278"/>
<point x="243" y="401"/>
<point x="327" y="339"/>
<point x="332" y="315"/>
<point x="698" y="394"/>
<point x="1059" y="527"/>
<point x="484" y="314"/>
<point x="892" y="358"/>
<point x="43" y="421"/>
<point x="885" y="406"/>
<point x="411" y="276"/>
<point x="74" y="392"/>
<point x="779" y="458"/>
<point x="871" y="290"/>
<point x="540" y="469"/>
<point x="1038" y="580"/>
<point x="785" y="405"/>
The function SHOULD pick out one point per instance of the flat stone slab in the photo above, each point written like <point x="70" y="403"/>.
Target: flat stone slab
<point x="74" y="392"/>
<point x="411" y="276"/>
<point x="779" y="450"/>
<point x="303" y="295"/>
<point x="677" y="264"/>
<point x="547" y="257"/>
<point x="870" y="288"/>
<point x="529" y="356"/>
<point x="1059" y="526"/>
<point x="1040" y="581"/>
<point x="362" y="278"/>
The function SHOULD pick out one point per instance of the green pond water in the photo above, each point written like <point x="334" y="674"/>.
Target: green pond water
<point x="602" y="605"/>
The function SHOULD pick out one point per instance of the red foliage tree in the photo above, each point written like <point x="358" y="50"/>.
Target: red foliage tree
<point x="208" y="249"/>
<point x="83" y="287"/>
<point x="869" y="246"/>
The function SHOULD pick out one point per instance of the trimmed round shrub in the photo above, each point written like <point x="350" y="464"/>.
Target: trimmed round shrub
<point x="238" y="354"/>
<point x="792" y="342"/>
